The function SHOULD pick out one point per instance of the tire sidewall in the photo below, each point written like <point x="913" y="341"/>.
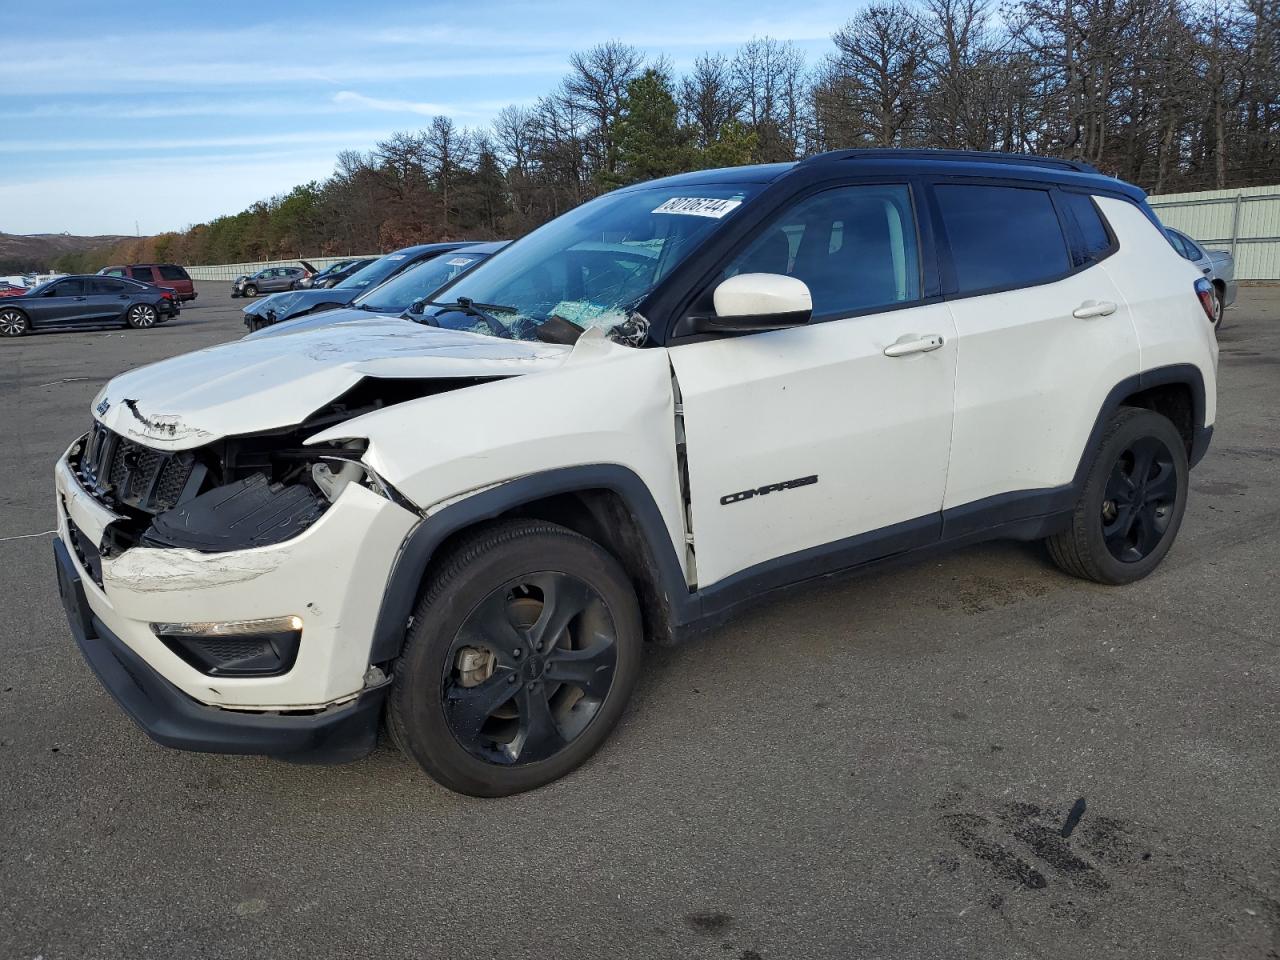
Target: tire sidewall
<point x="417" y="691"/>
<point x="1145" y="423"/>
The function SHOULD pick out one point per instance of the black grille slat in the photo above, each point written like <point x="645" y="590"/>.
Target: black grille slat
<point x="117" y="470"/>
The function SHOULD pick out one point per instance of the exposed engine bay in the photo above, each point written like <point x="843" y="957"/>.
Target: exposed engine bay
<point x="237" y="492"/>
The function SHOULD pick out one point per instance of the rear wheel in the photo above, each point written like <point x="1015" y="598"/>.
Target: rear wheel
<point x="141" y="316"/>
<point x="1132" y="504"/>
<point x="523" y="653"/>
<point x="13" y="322"/>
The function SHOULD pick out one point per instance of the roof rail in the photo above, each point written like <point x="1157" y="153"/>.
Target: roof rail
<point x="969" y="156"/>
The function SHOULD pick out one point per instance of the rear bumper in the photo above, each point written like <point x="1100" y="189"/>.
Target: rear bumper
<point x="171" y="718"/>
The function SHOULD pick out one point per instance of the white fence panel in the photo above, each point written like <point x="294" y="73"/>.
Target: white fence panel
<point x="229" y="271"/>
<point x="1245" y="221"/>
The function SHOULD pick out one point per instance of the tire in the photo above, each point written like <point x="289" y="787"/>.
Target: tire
<point x="1219" y="307"/>
<point x="13" y="322"/>
<point x="251" y="291"/>
<point x="529" y="721"/>
<point x="1142" y="458"/>
<point x="142" y="316"/>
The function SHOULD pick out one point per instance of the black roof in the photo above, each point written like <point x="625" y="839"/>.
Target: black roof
<point x="887" y="161"/>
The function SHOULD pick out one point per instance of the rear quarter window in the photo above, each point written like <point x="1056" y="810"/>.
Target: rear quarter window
<point x="1002" y="237"/>
<point x="1094" y="240"/>
<point x="173" y="272"/>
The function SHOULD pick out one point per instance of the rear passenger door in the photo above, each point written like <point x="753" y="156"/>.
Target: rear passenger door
<point x="1043" y="336"/>
<point x="108" y="298"/>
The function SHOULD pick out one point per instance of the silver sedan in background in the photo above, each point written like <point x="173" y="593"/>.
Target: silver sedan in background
<point x="1218" y="265"/>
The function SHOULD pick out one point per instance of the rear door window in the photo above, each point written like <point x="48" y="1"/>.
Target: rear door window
<point x="141" y="273"/>
<point x="1001" y="237"/>
<point x="109" y="287"/>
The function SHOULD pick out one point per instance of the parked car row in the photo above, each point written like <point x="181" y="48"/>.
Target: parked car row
<point x="432" y="264"/>
<point x="87" y="301"/>
<point x="334" y="274"/>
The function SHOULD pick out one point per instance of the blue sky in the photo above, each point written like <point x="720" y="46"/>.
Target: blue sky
<point x="110" y="118"/>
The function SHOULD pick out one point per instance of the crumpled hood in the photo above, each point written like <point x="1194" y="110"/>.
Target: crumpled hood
<point x="265" y="383"/>
<point x="292" y="302"/>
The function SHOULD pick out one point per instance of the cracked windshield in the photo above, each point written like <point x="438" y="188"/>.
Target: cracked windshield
<point x="592" y="267"/>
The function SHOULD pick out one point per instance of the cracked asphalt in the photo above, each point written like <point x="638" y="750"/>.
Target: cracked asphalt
<point x="973" y="756"/>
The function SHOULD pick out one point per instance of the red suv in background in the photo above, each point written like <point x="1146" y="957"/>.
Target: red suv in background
<point x="161" y="274"/>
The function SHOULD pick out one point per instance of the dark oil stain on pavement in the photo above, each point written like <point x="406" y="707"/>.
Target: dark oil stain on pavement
<point x="709" y="922"/>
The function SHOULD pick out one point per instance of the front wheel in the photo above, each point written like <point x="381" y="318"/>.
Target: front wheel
<point x="250" y="291"/>
<point x="13" y="322"/>
<point x="1132" y="503"/>
<point x="141" y="316"/>
<point x="1219" y="308"/>
<point x="524" y="650"/>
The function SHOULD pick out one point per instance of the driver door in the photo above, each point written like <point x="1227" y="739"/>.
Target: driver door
<point x="812" y="443"/>
<point x="63" y="304"/>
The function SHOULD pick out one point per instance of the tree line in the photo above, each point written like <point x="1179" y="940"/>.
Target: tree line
<point x="1168" y="94"/>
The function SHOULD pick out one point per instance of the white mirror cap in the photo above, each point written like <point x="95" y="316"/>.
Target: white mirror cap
<point x="761" y="294"/>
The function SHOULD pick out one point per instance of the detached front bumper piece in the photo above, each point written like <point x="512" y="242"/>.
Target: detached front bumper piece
<point x="171" y="718"/>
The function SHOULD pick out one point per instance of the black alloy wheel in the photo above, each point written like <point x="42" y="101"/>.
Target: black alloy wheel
<point x="1129" y="510"/>
<point x="520" y="658"/>
<point x="1139" y="500"/>
<point x="549" y="646"/>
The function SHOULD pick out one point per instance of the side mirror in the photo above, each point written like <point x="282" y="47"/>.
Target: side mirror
<point x="758" y="301"/>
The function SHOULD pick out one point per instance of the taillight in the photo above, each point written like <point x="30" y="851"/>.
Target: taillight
<point x="1204" y="290"/>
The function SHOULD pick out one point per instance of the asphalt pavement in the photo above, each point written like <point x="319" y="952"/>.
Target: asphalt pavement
<point x="974" y="756"/>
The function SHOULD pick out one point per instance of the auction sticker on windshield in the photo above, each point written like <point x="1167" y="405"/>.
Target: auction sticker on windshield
<point x="698" y="206"/>
<point x="457" y="262"/>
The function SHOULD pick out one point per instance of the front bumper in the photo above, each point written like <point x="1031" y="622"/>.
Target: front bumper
<point x="332" y="575"/>
<point x="171" y="718"/>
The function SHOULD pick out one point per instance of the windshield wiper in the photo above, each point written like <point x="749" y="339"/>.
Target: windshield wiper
<point x="481" y="311"/>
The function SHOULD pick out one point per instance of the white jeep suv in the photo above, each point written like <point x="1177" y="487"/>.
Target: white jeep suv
<point x="671" y="400"/>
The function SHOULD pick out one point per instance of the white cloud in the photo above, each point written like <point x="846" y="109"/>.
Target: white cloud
<point x="342" y="138"/>
<point x="352" y="99"/>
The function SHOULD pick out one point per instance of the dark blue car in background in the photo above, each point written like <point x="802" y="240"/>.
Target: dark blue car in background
<point x="296" y="303"/>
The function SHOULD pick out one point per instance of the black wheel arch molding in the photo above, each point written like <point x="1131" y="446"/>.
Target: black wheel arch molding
<point x="1019" y="514"/>
<point x="424" y="541"/>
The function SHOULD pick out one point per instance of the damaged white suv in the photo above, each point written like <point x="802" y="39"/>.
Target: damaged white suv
<point x="670" y="400"/>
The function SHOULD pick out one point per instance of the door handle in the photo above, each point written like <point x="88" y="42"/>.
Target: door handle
<point x="79" y="298"/>
<point x="910" y="344"/>
<point x="1094" y="308"/>
<point x="1208" y="270"/>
